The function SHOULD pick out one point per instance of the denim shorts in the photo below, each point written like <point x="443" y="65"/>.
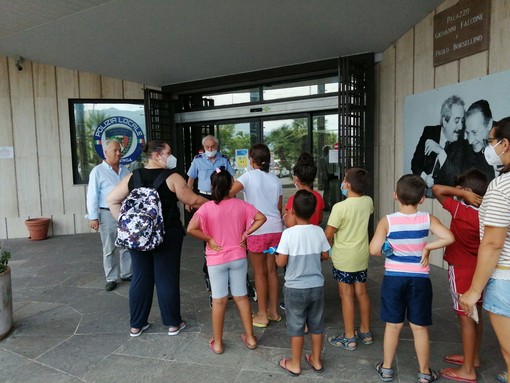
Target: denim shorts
<point x="350" y="277"/>
<point x="411" y="296"/>
<point x="231" y="274"/>
<point x="304" y="306"/>
<point x="496" y="298"/>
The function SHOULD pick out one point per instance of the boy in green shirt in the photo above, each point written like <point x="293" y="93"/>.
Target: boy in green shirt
<point x="347" y="231"/>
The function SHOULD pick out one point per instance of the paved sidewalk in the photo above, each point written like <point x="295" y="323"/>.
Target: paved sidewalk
<point x="69" y="329"/>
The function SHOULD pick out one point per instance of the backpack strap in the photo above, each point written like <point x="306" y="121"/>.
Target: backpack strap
<point x="137" y="179"/>
<point x="161" y="178"/>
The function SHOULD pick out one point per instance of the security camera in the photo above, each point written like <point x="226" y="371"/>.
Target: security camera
<point x="18" y="61"/>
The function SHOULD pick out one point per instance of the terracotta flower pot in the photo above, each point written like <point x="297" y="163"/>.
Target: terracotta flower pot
<point x="6" y="317"/>
<point x="38" y="228"/>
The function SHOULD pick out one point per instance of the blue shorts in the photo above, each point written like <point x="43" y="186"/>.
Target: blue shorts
<point x="350" y="277"/>
<point x="406" y="295"/>
<point x="304" y="306"/>
<point x="496" y="298"/>
<point x="231" y="274"/>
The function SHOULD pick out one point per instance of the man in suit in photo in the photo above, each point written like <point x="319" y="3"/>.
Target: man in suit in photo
<point x="478" y="124"/>
<point x="439" y="154"/>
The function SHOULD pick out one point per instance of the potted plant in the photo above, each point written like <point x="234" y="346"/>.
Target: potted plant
<point x="6" y="317"/>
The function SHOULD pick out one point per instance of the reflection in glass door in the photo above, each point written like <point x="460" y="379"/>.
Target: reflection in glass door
<point x="325" y="146"/>
<point x="234" y="137"/>
<point x="287" y="139"/>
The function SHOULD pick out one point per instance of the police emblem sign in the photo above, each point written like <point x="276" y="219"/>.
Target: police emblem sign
<point x="124" y="130"/>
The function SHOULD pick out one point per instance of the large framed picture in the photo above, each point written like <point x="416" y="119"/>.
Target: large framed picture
<point x="94" y="121"/>
<point x="446" y="129"/>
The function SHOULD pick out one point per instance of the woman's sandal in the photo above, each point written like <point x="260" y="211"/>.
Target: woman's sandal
<point x="364" y="337"/>
<point x="385" y="374"/>
<point x="432" y="376"/>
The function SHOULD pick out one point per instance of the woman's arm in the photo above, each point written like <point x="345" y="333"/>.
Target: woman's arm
<point x="117" y="195"/>
<point x="280" y="205"/>
<point x="184" y="193"/>
<point x="488" y="256"/>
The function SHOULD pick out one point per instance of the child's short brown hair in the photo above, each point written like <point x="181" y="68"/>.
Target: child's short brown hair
<point x="475" y="180"/>
<point x="410" y="189"/>
<point x="359" y="180"/>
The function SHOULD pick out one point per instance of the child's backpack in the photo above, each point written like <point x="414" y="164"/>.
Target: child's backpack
<point x="140" y="225"/>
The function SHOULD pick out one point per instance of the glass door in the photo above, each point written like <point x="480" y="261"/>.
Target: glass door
<point x="287" y="138"/>
<point x="325" y="146"/>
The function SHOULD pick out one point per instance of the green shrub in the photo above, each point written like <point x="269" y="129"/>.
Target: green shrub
<point x="4" y="259"/>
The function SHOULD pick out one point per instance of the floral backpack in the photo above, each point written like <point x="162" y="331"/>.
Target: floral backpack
<point x="140" y="225"/>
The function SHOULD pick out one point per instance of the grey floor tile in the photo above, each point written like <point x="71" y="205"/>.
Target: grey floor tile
<point x="69" y="329"/>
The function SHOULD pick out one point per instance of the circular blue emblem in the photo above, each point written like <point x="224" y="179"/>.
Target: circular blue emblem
<point x="124" y="130"/>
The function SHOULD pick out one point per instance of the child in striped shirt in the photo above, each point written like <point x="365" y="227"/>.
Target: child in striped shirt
<point x="406" y="290"/>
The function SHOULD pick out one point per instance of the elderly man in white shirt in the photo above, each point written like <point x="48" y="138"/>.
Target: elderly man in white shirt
<point x="102" y="180"/>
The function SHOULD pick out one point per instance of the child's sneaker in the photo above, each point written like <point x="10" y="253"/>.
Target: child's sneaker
<point x="341" y="341"/>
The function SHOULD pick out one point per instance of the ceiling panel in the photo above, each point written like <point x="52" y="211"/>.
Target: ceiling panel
<point x="162" y="42"/>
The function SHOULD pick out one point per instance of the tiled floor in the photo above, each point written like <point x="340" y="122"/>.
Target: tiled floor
<point x="69" y="329"/>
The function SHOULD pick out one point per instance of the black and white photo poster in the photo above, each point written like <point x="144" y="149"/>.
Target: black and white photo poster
<point x="446" y="129"/>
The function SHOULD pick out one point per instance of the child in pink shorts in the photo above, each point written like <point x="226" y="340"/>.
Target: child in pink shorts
<point x="263" y="190"/>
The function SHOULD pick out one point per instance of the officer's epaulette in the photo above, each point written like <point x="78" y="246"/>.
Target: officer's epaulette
<point x="225" y="156"/>
<point x="197" y="156"/>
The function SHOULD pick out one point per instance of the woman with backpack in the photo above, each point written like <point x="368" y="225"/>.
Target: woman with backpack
<point x="160" y="266"/>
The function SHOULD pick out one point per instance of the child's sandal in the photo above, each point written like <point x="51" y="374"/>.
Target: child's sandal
<point x="432" y="376"/>
<point x="385" y="374"/>
<point x="341" y="341"/>
<point x="364" y="337"/>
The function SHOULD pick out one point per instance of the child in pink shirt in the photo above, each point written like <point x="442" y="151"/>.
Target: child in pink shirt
<point x="224" y="223"/>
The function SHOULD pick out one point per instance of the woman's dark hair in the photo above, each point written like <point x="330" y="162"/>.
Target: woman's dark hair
<point x="261" y="155"/>
<point x="500" y="130"/>
<point x="221" y="182"/>
<point x="154" y="146"/>
<point x="305" y="169"/>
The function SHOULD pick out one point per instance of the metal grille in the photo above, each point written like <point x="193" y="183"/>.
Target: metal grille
<point x="356" y="113"/>
<point x="159" y="116"/>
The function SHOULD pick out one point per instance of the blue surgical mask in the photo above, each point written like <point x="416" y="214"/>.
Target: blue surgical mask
<point x="343" y="191"/>
<point x="210" y="153"/>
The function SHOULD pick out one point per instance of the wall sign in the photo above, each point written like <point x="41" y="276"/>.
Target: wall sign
<point x="461" y="30"/>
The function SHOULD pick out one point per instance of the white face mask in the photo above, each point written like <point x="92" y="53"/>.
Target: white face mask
<point x="210" y="153"/>
<point x="171" y="162"/>
<point x="491" y="156"/>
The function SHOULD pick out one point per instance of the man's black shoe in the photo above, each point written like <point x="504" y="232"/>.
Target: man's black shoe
<point x="110" y="286"/>
<point x="127" y="279"/>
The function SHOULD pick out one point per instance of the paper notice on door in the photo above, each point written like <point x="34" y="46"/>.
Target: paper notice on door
<point x="6" y="152"/>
